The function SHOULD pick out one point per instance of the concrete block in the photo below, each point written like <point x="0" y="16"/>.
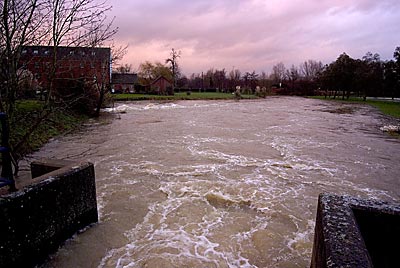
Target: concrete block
<point x="45" y="166"/>
<point x="352" y="232"/>
<point x="38" y="218"/>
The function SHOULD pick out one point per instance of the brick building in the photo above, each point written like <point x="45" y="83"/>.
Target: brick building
<point x="73" y="63"/>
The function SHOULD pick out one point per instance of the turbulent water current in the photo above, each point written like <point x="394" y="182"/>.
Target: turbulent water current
<point x="222" y="183"/>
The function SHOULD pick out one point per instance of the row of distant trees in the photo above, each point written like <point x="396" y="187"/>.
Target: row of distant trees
<point x="280" y="78"/>
<point x="368" y="76"/>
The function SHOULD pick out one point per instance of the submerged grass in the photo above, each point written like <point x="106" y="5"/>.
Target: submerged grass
<point x="180" y="96"/>
<point x="387" y="107"/>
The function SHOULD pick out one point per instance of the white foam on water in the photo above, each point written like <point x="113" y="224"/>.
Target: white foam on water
<point x="191" y="242"/>
<point x="153" y="106"/>
<point x="179" y="244"/>
<point x="119" y="109"/>
<point x="206" y="195"/>
<point x="390" y="128"/>
<point x="299" y="241"/>
<point x="124" y="108"/>
<point x="203" y="202"/>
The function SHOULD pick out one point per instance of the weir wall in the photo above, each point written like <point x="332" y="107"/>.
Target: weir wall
<point x="359" y="233"/>
<point x="36" y="219"/>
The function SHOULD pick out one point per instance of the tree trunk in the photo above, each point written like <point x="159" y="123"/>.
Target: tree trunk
<point x="100" y="101"/>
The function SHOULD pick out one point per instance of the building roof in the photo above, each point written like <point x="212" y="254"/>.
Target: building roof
<point x="159" y="78"/>
<point x="127" y="78"/>
<point x="78" y="53"/>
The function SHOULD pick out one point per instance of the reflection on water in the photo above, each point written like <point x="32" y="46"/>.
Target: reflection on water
<point x="221" y="183"/>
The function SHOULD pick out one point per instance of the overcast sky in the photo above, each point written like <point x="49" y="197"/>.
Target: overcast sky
<point x="254" y="34"/>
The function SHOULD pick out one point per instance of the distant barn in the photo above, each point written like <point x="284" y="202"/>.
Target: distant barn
<point x="162" y="86"/>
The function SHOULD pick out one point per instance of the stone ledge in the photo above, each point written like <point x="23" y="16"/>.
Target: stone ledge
<point x="352" y="232"/>
<point x="46" y="166"/>
<point x="39" y="217"/>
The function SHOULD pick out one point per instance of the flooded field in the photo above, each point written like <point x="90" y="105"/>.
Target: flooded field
<point x="222" y="183"/>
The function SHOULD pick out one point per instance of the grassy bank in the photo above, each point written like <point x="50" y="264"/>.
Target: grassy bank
<point x="387" y="107"/>
<point x="180" y="96"/>
<point x="28" y="113"/>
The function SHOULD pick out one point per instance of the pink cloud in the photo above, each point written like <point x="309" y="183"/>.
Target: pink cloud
<point x="254" y="35"/>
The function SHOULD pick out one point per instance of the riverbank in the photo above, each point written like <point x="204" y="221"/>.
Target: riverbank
<point x="28" y="113"/>
<point x="385" y="106"/>
<point x="180" y="96"/>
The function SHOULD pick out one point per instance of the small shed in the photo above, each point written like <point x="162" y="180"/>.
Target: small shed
<point x="162" y="86"/>
<point x="123" y="82"/>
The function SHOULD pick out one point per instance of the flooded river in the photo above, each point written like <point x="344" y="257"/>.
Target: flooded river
<point x="222" y="183"/>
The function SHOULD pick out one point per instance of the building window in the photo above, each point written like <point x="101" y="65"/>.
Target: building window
<point x="71" y="52"/>
<point x="93" y="53"/>
<point x="46" y="52"/>
<point x="37" y="65"/>
<point x="36" y="52"/>
<point x="24" y="51"/>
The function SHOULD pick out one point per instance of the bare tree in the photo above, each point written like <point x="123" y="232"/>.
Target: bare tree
<point x="250" y="81"/>
<point x="195" y="81"/>
<point x="45" y="22"/>
<point x="310" y="69"/>
<point x="123" y="69"/>
<point x="234" y="77"/>
<point x="220" y="79"/>
<point x="100" y="84"/>
<point x="174" y="64"/>
<point x="292" y="75"/>
<point x="264" y="80"/>
<point x="278" y="72"/>
<point x="76" y="23"/>
<point x="20" y="24"/>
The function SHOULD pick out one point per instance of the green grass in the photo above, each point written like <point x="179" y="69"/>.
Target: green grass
<point x="26" y="106"/>
<point x="27" y="114"/>
<point x="390" y="108"/>
<point x="180" y="96"/>
<point x="386" y="107"/>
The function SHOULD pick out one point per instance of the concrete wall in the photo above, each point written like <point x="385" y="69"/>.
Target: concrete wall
<point x="35" y="220"/>
<point x="357" y="233"/>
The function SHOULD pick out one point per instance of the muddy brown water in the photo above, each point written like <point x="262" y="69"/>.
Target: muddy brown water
<point x="222" y="183"/>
